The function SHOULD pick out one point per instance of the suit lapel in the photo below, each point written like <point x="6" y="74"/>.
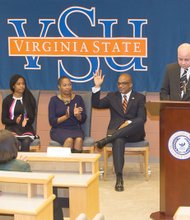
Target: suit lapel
<point x="178" y="79"/>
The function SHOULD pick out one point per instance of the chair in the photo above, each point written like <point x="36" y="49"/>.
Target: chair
<point x="35" y="145"/>
<point x="132" y="148"/>
<point x="88" y="143"/>
<point x="140" y="148"/>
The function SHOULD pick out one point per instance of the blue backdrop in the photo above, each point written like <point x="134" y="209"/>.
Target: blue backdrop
<point x="165" y="25"/>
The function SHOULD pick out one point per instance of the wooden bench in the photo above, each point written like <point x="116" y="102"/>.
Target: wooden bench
<point x="28" y="196"/>
<point x="52" y="163"/>
<point x="83" y="193"/>
<point x="82" y="184"/>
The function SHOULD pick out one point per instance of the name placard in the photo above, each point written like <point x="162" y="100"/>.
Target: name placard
<point x="59" y="151"/>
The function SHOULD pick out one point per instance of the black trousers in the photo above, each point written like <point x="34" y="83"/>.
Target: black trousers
<point x="25" y="143"/>
<point x="131" y="133"/>
<point x="58" y="204"/>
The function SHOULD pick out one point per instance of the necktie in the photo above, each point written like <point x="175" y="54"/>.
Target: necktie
<point x="124" y="103"/>
<point x="183" y="82"/>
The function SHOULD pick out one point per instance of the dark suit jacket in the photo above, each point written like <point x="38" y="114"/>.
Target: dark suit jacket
<point x="135" y="108"/>
<point x="170" y="89"/>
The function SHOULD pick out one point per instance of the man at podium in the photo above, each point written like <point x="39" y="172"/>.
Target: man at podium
<point x="176" y="85"/>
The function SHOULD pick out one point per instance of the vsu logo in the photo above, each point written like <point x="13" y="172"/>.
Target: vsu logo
<point x="71" y="45"/>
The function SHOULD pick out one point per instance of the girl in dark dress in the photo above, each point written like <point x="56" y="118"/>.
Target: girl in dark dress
<point x="18" y="112"/>
<point x="66" y="114"/>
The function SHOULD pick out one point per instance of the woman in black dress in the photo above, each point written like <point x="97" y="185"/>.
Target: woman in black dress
<point x="18" y="112"/>
<point x="66" y="114"/>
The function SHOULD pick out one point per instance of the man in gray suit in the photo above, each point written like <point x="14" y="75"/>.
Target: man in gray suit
<point x="176" y="85"/>
<point x="126" y="120"/>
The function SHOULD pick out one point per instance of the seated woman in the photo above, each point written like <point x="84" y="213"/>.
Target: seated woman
<point x="9" y="162"/>
<point x="66" y="114"/>
<point x="18" y="112"/>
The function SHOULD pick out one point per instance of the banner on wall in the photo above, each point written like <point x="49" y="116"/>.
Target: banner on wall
<point x="43" y="40"/>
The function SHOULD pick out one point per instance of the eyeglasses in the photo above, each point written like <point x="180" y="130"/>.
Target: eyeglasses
<point x="123" y="83"/>
<point x="64" y="85"/>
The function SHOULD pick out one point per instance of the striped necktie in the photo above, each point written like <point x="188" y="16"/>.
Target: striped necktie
<point x="183" y="82"/>
<point x="124" y="103"/>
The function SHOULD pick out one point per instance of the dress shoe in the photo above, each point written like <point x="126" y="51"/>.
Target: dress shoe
<point x="101" y="143"/>
<point x="73" y="150"/>
<point x="119" y="184"/>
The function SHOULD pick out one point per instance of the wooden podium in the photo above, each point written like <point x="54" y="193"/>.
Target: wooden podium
<point x="174" y="171"/>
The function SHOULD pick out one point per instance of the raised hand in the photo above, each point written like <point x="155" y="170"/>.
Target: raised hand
<point x="77" y="110"/>
<point x="22" y="157"/>
<point x="24" y="122"/>
<point x="18" y="119"/>
<point x="65" y="116"/>
<point x="98" y="78"/>
<point x="67" y="112"/>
